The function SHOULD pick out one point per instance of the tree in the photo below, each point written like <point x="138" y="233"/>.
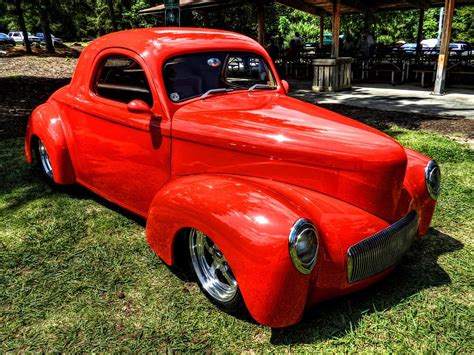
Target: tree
<point x="21" y="23"/>
<point x="110" y="5"/>
<point x="44" y="6"/>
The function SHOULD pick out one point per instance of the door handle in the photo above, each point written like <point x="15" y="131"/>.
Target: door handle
<point x="149" y="123"/>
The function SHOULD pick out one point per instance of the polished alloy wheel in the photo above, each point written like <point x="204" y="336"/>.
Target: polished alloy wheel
<point x="211" y="268"/>
<point x="44" y="160"/>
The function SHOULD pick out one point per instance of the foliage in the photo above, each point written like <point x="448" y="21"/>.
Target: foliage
<point x="75" y="20"/>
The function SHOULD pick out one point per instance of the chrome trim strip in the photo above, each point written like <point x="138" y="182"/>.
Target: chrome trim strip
<point x="432" y="167"/>
<point x="300" y="226"/>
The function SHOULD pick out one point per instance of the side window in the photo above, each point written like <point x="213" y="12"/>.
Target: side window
<point x="122" y="79"/>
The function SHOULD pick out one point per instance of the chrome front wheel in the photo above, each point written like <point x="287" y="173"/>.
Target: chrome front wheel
<point x="213" y="271"/>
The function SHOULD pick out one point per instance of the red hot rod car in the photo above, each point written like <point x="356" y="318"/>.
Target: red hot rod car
<point x="275" y="204"/>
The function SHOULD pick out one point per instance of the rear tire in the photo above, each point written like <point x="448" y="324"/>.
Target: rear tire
<point x="213" y="273"/>
<point x="44" y="163"/>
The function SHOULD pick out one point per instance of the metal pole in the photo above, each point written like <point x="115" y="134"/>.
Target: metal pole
<point x="419" y="35"/>
<point x="321" y="31"/>
<point x="440" y="24"/>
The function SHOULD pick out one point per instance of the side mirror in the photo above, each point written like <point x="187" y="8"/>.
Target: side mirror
<point x="138" y="106"/>
<point x="286" y="86"/>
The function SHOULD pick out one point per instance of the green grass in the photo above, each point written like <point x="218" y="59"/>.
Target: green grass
<point x="77" y="275"/>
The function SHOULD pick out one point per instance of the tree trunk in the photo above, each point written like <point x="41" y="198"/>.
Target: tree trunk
<point x="21" y="23"/>
<point x="110" y="5"/>
<point x="43" y="10"/>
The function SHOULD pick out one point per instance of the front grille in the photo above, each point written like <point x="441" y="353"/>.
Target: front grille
<point x="382" y="250"/>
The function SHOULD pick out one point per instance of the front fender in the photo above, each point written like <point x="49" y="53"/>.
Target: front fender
<point x="45" y="123"/>
<point x="416" y="185"/>
<point x="250" y="223"/>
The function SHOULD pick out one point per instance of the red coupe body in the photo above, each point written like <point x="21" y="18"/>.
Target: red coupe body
<point x="241" y="166"/>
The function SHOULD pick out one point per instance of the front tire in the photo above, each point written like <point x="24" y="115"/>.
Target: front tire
<point x="213" y="273"/>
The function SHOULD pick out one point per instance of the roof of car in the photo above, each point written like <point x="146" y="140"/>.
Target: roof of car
<point x="174" y="39"/>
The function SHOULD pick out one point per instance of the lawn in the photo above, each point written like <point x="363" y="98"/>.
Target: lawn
<point x="77" y="275"/>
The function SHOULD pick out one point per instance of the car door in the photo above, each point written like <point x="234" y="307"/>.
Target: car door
<point x="123" y="155"/>
<point x="17" y="37"/>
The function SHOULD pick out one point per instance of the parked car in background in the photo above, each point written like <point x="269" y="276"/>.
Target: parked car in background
<point x="18" y="37"/>
<point x="410" y="48"/>
<point x="398" y="44"/>
<point x="55" y="39"/>
<point x="6" y="41"/>
<point x="430" y="43"/>
<point x="310" y="47"/>
<point x="460" y="46"/>
<point x="327" y="39"/>
<point x="274" y="204"/>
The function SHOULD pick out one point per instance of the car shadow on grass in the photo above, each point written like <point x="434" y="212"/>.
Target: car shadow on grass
<point x="419" y="270"/>
<point x="79" y="192"/>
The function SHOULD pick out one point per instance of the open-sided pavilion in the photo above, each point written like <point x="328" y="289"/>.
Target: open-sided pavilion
<point x="335" y="8"/>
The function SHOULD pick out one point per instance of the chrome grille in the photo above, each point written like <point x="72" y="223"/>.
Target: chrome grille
<point x="382" y="250"/>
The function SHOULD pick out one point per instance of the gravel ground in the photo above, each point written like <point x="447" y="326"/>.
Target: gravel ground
<point x="27" y="81"/>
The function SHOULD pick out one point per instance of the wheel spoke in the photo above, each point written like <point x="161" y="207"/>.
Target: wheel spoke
<point x="228" y="276"/>
<point x="214" y="267"/>
<point x="209" y="249"/>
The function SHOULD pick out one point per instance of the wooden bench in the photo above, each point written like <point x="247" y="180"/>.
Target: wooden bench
<point x="423" y="73"/>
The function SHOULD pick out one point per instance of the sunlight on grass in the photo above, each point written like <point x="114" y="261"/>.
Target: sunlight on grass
<point x="78" y="275"/>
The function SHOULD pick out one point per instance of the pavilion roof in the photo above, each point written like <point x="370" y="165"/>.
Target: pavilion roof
<point x="318" y="7"/>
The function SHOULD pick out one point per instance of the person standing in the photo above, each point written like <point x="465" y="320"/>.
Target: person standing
<point x="370" y="43"/>
<point x="363" y="46"/>
<point x="273" y="50"/>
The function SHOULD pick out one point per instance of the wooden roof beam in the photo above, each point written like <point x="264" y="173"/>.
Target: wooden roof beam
<point x="304" y="6"/>
<point x="421" y="4"/>
<point x="357" y="5"/>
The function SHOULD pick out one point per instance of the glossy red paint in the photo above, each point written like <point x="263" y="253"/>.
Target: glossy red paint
<point x="242" y="167"/>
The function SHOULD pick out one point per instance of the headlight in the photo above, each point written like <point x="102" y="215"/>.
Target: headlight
<point x="303" y="244"/>
<point x="433" y="179"/>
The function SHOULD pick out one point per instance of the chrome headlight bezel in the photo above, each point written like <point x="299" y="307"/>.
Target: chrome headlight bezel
<point x="433" y="179"/>
<point x="297" y="232"/>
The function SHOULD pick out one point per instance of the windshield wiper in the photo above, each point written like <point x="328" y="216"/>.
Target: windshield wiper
<point x="215" y="91"/>
<point x="261" y="87"/>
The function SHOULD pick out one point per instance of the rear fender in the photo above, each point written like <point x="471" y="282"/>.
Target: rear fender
<point x="45" y="123"/>
<point x="250" y="224"/>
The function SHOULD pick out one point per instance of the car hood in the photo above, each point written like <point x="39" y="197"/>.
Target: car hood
<point x="274" y="136"/>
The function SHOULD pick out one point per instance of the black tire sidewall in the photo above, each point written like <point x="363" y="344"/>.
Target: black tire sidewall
<point x="49" y="180"/>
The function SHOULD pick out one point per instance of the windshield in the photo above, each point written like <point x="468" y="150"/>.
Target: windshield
<point x="193" y="75"/>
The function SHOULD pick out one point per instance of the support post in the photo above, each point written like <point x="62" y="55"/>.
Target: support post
<point x="439" y="87"/>
<point x="419" y="34"/>
<point x="261" y="22"/>
<point x="336" y="25"/>
<point x="321" y="31"/>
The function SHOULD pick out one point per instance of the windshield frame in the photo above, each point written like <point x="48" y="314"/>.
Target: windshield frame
<point x="227" y="52"/>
